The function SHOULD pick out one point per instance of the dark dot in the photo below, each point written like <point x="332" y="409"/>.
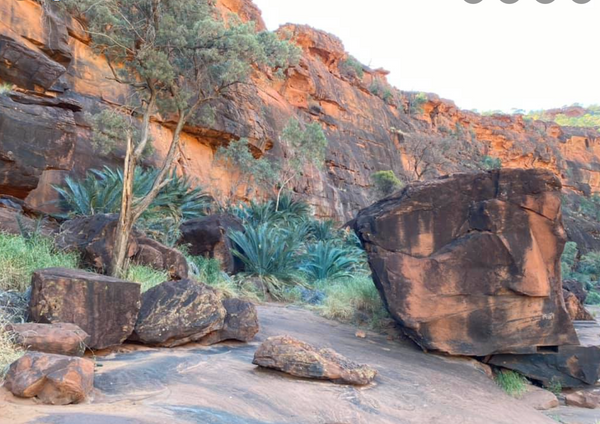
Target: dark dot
<point x="509" y="1"/>
<point x="473" y="1"/>
<point x="545" y="1"/>
<point x="581" y="1"/>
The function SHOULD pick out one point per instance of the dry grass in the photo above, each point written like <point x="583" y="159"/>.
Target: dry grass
<point x="9" y="352"/>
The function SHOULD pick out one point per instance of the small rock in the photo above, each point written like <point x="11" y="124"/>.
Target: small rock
<point x="361" y="334"/>
<point x="241" y="323"/>
<point x="61" y="339"/>
<point x="300" y="359"/>
<point x="53" y="379"/>
<point x="582" y="399"/>
<point x="540" y="399"/>
<point x="178" y="312"/>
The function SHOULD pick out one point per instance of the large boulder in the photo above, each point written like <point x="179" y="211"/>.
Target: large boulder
<point x="294" y="357"/>
<point x="94" y="238"/>
<point x="209" y="237"/>
<point x="53" y="379"/>
<point x="470" y="264"/>
<point x="241" y="323"/>
<point x="178" y="312"/>
<point x="61" y="339"/>
<point x="575" y="308"/>
<point x="106" y="308"/>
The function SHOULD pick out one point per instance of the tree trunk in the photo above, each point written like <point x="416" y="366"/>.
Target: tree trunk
<point x="125" y="224"/>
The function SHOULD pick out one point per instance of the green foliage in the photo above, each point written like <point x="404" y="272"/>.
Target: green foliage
<point x="100" y="192"/>
<point x="489" y="163"/>
<point x="555" y="386"/>
<point x="386" y="183"/>
<point x="291" y="212"/>
<point x="416" y="101"/>
<point x="20" y="257"/>
<point x="252" y="172"/>
<point x="6" y="88"/>
<point x="590" y="118"/>
<point x="353" y="300"/>
<point x="382" y="91"/>
<point x="305" y="145"/>
<point x="593" y="298"/>
<point x="268" y="251"/>
<point x="326" y="261"/>
<point x="590" y="207"/>
<point x="147" y="277"/>
<point x="512" y="383"/>
<point x="352" y="68"/>
<point x="569" y="260"/>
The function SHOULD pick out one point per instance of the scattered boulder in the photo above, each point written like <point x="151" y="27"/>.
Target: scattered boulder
<point x="208" y="236"/>
<point x="61" y="339"/>
<point x="583" y="399"/>
<point x="484" y="249"/>
<point x="178" y="312"/>
<point x="241" y="323"/>
<point x="576" y="310"/>
<point x="577" y="288"/>
<point x="9" y="223"/>
<point x="106" y="308"/>
<point x="94" y="238"/>
<point x="540" y="399"/>
<point x="53" y="379"/>
<point x="300" y="359"/>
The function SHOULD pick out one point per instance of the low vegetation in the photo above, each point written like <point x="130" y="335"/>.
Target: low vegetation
<point x="589" y="118"/>
<point x="385" y="183"/>
<point x="147" y="277"/>
<point x="20" y="257"/>
<point x="514" y="384"/>
<point x="352" y="68"/>
<point x="582" y="268"/>
<point x="9" y="351"/>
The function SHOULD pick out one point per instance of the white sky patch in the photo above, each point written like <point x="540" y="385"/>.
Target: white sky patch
<point x="487" y="56"/>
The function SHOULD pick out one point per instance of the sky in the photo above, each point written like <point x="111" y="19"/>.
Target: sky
<point x="486" y="56"/>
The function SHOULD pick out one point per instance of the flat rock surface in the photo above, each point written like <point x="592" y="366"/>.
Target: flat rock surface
<point x="219" y="385"/>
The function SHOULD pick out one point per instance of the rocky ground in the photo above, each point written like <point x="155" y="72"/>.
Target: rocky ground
<point x="219" y="384"/>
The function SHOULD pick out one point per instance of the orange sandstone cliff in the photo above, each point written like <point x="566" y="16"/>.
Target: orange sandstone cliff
<point x="57" y="78"/>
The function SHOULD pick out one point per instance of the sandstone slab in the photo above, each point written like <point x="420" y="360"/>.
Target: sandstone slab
<point x="61" y="339"/>
<point x="241" y="323"/>
<point x="470" y="264"/>
<point x="178" y="312"/>
<point x="105" y="308"/>
<point x="575" y="308"/>
<point x="300" y="359"/>
<point x="208" y="237"/>
<point x="53" y="379"/>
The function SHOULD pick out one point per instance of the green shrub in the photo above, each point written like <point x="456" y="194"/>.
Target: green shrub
<point x="555" y="386"/>
<point x="386" y="183"/>
<point x="325" y="261"/>
<point x="269" y="253"/>
<point x="353" y="300"/>
<point x="100" y="192"/>
<point x="512" y="383"/>
<point x="489" y="163"/>
<point x="352" y="68"/>
<point x="20" y="257"/>
<point x="593" y="298"/>
<point x="147" y="277"/>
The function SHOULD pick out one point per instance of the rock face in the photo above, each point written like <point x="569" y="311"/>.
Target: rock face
<point x="241" y="323"/>
<point x="178" y="312"/>
<point x="300" y="359"/>
<point x="53" y="379"/>
<point x="94" y="238"/>
<point x="61" y="339"/>
<point x="208" y="237"/>
<point x="105" y="308"/>
<point x="470" y="264"/>
<point x="52" y="55"/>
